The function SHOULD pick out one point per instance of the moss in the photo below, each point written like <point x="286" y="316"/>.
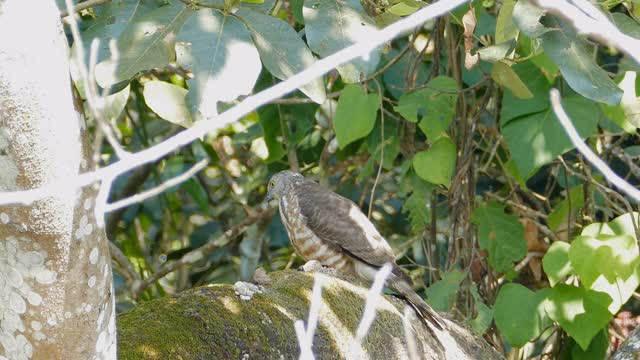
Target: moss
<point x="212" y="322"/>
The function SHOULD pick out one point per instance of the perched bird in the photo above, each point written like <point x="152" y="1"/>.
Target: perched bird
<point x="332" y="229"/>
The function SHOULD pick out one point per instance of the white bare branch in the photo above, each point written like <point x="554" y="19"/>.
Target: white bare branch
<point x="571" y="131"/>
<point x="245" y="107"/>
<point x="589" y="20"/>
<point x="373" y="297"/>
<point x="305" y="336"/>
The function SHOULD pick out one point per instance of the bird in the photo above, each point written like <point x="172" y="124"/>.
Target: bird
<point x="331" y="229"/>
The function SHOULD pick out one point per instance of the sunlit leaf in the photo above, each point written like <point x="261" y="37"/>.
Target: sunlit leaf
<point x="282" y="51"/>
<point x="556" y="262"/>
<point x="146" y="43"/>
<point x="442" y="294"/>
<point x="218" y="50"/>
<point x="168" y="101"/>
<point x="332" y="25"/>
<point x="580" y="312"/>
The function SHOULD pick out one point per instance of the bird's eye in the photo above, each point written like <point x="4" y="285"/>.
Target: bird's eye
<point x="271" y="184"/>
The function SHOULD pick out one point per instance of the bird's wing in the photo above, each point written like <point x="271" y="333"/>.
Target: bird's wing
<point x="340" y="221"/>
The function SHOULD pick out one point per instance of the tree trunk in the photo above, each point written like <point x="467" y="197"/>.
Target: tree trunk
<point x="215" y="322"/>
<point x="56" y="298"/>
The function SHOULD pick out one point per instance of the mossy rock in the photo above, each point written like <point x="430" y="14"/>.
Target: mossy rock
<point x="213" y="322"/>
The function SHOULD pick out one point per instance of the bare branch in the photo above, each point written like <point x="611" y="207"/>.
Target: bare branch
<point x="589" y="20"/>
<point x="158" y="189"/>
<point x="251" y="103"/>
<point x="571" y="131"/>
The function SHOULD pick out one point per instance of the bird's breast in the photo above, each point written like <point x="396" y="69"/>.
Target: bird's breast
<point x="307" y="243"/>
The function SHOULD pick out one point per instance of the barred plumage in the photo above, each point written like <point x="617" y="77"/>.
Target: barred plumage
<point x="331" y="229"/>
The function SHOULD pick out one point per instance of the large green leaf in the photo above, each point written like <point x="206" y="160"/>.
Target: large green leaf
<point x="621" y="287"/>
<point x="436" y="164"/>
<point x="513" y="106"/>
<point x="147" y="42"/>
<point x="580" y="312"/>
<point x="442" y="294"/>
<point x="576" y="63"/>
<point x="282" y="51"/>
<point x="556" y="262"/>
<point x="111" y="20"/>
<point x="355" y="114"/>
<point x="168" y="101"/>
<point x="218" y="50"/>
<point x="436" y="103"/>
<point x="519" y="313"/>
<point x="537" y="139"/>
<point x="332" y="25"/>
<point x="527" y="17"/>
<point x="501" y="235"/>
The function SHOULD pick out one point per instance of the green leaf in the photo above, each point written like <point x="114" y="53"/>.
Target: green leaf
<point x="112" y="19"/>
<point x="626" y="24"/>
<point x="168" y="101"/>
<point x="436" y="102"/>
<point x="219" y="52"/>
<point x="114" y="104"/>
<point x="442" y="294"/>
<point x="611" y="256"/>
<point x="519" y="313"/>
<point x="272" y="132"/>
<point x="418" y="204"/>
<point x="403" y="9"/>
<point x="391" y="147"/>
<point x="197" y="193"/>
<point x="436" y="164"/>
<point x="332" y="25"/>
<point x="597" y="349"/>
<point x="576" y="64"/>
<point x="146" y="43"/>
<point x="505" y="76"/>
<point x="282" y="51"/>
<point x="580" y="312"/>
<point x="513" y="107"/>
<point x="483" y="320"/>
<point x="537" y="139"/>
<point x="556" y="262"/>
<point x="496" y="52"/>
<point x="527" y="16"/>
<point x="355" y="114"/>
<point x="560" y="213"/>
<point x="505" y="28"/>
<point x="501" y="235"/>
<point x="621" y="288"/>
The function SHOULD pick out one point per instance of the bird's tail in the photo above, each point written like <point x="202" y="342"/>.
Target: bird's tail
<point x="402" y="286"/>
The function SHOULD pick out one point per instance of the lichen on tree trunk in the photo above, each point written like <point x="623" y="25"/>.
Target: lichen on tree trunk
<point x="213" y="322"/>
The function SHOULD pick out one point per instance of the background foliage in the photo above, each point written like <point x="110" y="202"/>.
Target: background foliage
<point x="445" y="136"/>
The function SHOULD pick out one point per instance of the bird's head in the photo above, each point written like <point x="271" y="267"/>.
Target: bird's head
<point x="282" y="183"/>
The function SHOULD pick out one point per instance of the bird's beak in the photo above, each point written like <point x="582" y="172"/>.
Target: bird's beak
<point x="269" y="198"/>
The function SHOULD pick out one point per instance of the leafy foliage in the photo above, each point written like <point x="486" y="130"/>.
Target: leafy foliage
<point x="465" y="169"/>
